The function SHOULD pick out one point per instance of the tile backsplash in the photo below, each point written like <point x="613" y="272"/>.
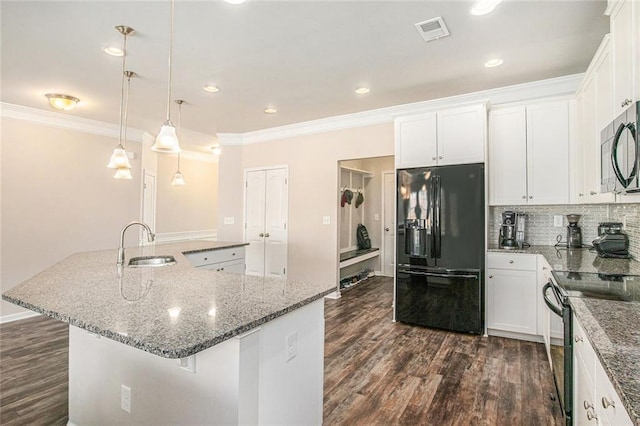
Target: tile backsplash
<point x="539" y="229"/>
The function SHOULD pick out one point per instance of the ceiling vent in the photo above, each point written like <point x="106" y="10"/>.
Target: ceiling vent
<point x="432" y="29"/>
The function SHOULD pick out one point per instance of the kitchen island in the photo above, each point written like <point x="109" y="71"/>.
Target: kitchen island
<point x="180" y="345"/>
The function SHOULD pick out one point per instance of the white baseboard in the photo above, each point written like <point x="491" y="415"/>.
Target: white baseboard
<point x="18" y="316"/>
<point x="205" y="234"/>
<point x="334" y="295"/>
<point x="515" y="335"/>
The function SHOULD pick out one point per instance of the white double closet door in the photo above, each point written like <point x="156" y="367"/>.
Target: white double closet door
<point x="266" y="217"/>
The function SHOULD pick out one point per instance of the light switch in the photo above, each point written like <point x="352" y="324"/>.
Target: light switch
<point x="557" y="220"/>
<point x="229" y="220"/>
<point x="376" y="216"/>
<point x="326" y="220"/>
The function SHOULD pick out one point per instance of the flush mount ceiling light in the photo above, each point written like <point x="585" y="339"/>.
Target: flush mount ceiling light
<point x="484" y="7"/>
<point x="167" y="140"/>
<point x="211" y="89"/>
<point x="270" y="110"/>
<point x="178" y="178"/>
<point x="113" y="51"/>
<point x="235" y="1"/>
<point x="62" y="102"/>
<point x="493" y="63"/>
<point x="216" y="150"/>
<point x="362" y="90"/>
<point x="119" y="159"/>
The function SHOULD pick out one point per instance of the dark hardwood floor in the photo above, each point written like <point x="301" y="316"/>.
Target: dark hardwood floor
<point x="34" y="357"/>
<point x="376" y="371"/>
<point x="380" y="372"/>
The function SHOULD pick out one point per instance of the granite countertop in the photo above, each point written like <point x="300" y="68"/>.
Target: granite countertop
<point x="610" y="325"/>
<point x="171" y="311"/>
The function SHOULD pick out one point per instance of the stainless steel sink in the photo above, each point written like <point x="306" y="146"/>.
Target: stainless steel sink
<point x="151" y="261"/>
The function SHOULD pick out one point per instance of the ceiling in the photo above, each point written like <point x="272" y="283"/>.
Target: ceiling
<point x="304" y="58"/>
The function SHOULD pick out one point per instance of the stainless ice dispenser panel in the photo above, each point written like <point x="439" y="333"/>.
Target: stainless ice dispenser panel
<point x="415" y="243"/>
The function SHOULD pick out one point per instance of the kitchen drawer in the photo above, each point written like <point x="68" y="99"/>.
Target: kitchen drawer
<point x="232" y="266"/>
<point x="519" y="261"/>
<point x="215" y="256"/>
<point x="582" y="348"/>
<point x="608" y="402"/>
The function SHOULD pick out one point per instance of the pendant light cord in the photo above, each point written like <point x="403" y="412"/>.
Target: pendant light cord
<point x="179" y="127"/>
<point x="170" y="58"/>
<point x="126" y="108"/>
<point x="124" y="56"/>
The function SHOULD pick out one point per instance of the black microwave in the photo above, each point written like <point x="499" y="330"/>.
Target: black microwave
<point x="620" y="153"/>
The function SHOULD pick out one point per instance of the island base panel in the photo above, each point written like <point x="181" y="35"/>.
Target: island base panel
<point x="244" y="380"/>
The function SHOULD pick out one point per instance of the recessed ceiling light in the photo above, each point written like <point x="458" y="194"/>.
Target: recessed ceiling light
<point x="270" y="110"/>
<point x="235" y="1"/>
<point x="493" y="63"/>
<point x="62" y="102"/>
<point x="362" y="90"/>
<point x="211" y="89"/>
<point x="482" y="7"/>
<point x="113" y="51"/>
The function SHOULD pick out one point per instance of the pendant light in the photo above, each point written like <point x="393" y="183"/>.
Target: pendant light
<point x="178" y="178"/>
<point x="167" y="140"/>
<point x="125" y="172"/>
<point x="119" y="157"/>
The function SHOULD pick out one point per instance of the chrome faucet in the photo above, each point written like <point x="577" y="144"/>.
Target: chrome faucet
<point x="150" y="236"/>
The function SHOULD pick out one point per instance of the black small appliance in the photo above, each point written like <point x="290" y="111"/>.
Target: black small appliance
<point x="611" y="242"/>
<point x="507" y="238"/>
<point x="574" y="233"/>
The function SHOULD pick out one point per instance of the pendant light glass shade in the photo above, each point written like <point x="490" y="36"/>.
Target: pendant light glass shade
<point x="178" y="179"/>
<point x="167" y="140"/>
<point x="123" y="173"/>
<point x="119" y="159"/>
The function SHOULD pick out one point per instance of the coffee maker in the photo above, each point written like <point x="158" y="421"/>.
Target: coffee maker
<point x="511" y="230"/>
<point x="574" y="233"/>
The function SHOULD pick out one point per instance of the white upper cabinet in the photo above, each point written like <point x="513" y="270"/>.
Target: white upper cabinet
<point x="416" y="144"/>
<point x="596" y="110"/>
<point x="529" y="154"/>
<point x="548" y="153"/>
<point x="507" y="156"/>
<point x="453" y="136"/>
<point x="461" y="135"/>
<point x="624" y="31"/>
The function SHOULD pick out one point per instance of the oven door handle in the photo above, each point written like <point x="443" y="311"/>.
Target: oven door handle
<point x="550" y="304"/>
<point x="433" y="274"/>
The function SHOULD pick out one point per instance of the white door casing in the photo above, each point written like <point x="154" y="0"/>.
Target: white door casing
<point x="388" y="223"/>
<point x="266" y="217"/>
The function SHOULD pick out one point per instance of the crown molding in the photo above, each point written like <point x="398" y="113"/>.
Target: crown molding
<point x="67" y="122"/>
<point x="199" y="156"/>
<point x="559" y="86"/>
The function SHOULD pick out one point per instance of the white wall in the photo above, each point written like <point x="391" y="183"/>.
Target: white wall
<point x="313" y="180"/>
<point x="58" y="197"/>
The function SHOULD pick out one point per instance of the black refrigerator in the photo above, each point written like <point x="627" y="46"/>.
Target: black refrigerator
<point x="440" y="247"/>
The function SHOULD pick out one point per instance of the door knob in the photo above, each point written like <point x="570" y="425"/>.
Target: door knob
<point x="266" y="235"/>
<point x="530" y="196"/>
<point x="261" y="235"/>
<point x="386" y="229"/>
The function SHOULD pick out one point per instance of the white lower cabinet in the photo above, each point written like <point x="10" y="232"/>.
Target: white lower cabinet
<point x="512" y="294"/>
<point x="227" y="260"/>
<point x="595" y="401"/>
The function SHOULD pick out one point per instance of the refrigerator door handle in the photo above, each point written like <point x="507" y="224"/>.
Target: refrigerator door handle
<point x="438" y="230"/>
<point x="434" y="274"/>
<point x="432" y="213"/>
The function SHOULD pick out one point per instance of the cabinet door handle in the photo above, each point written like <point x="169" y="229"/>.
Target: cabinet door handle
<point x="266" y="235"/>
<point x="433" y="158"/>
<point x="261" y="235"/>
<point x="511" y="261"/>
<point x="530" y="196"/>
<point x="587" y="405"/>
<point x="524" y="197"/>
<point x="625" y="103"/>
<point x="386" y="229"/>
<point x="440" y="157"/>
<point x="591" y="416"/>
<point x="579" y="339"/>
<point x="606" y="403"/>
<point x="206" y="258"/>
<point x="544" y="268"/>
<point x="580" y="195"/>
<point x="593" y="193"/>
<point x="490" y="276"/>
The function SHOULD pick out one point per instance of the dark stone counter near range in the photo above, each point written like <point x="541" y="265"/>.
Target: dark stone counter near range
<point x="612" y="326"/>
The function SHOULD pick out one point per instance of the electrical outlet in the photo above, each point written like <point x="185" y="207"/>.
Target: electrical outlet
<point x="557" y="220"/>
<point x="291" y="346"/>
<point x="229" y="220"/>
<point x="125" y="398"/>
<point x="188" y="363"/>
<point x="326" y="220"/>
